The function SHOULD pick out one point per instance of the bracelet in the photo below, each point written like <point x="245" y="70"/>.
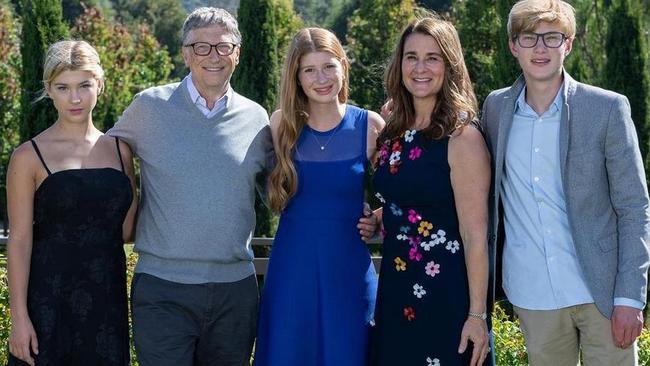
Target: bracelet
<point x="481" y="316"/>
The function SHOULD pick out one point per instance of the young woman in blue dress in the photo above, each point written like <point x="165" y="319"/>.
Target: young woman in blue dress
<point x="319" y="291"/>
<point x="71" y="205"/>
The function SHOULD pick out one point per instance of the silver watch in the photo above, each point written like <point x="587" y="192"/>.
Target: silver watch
<point x="481" y="316"/>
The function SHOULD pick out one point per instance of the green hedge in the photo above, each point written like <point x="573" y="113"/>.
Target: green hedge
<point x="509" y="342"/>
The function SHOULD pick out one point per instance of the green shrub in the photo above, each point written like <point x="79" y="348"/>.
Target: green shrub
<point x="509" y="345"/>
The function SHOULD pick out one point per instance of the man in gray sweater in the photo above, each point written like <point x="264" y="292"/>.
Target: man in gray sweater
<point x="201" y="147"/>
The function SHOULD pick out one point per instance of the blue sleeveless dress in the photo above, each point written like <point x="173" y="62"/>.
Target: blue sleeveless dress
<point x="319" y="292"/>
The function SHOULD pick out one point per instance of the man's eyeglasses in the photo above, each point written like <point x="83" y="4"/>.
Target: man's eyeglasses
<point x="550" y="39"/>
<point x="204" y="48"/>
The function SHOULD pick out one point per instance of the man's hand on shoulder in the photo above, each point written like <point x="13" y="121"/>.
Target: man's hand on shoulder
<point x="627" y="323"/>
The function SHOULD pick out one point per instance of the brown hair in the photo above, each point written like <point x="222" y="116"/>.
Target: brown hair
<point x="456" y="103"/>
<point x="283" y="180"/>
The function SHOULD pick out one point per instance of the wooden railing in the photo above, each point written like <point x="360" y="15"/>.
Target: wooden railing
<point x="261" y="264"/>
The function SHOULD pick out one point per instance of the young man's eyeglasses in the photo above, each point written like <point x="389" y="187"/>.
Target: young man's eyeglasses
<point x="550" y="39"/>
<point x="204" y="48"/>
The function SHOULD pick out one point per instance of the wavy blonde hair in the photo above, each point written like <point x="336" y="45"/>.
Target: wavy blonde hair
<point x="283" y="180"/>
<point x="456" y="103"/>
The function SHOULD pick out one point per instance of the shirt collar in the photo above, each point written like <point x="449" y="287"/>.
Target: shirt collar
<point x="522" y="106"/>
<point x="196" y="97"/>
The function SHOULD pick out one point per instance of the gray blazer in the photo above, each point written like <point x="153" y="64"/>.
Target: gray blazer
<point x="604" y="185"/>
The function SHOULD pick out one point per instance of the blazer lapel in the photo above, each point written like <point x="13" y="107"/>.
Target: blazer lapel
<point x="565" y="128"/>
<point x="505" y="123"/>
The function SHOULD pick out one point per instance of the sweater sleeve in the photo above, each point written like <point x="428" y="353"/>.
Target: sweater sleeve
<point x="128" y="128"/>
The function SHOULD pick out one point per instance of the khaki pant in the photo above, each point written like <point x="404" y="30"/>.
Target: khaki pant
<point x="555" y="338"/>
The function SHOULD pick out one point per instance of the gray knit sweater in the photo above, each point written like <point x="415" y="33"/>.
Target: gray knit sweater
<point x="198" y="178"/>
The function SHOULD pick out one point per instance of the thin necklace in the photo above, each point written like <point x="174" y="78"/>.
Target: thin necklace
<point x="323" y="146"/>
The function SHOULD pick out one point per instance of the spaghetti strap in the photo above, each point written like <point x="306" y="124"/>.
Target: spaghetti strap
<point x="40" y="157"/>
<point x="119" y="153"/>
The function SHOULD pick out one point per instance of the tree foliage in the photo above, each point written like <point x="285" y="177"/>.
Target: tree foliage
<point x="287" y="23"/>
<point x="10" y="65"/>
<point x="131" y="62"/>
<point x="372" y="35"/>
<point x="43" y="27"/>
<point x="478" y="26"/>
<point x="164" y="18"/>
<point x="507" y="69"/>
<point x="626" y="68"/>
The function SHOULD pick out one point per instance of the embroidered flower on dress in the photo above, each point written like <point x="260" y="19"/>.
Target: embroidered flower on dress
<point x="395" y="156"/>
<point x="396" y="210"/>
<point x="433" y="362"/>
<point x="404" y="229"/>
<point x="400" y="265"/>
<point x="415" y="153"/>
<point x="408" y="135"/>
<point x="439" y="237"/>
<point x="402" y="237"/>
<point x="414" y="254"/>
<point x="409" y="313"/>
<point x="432" y="268"/>
<point x="419" y="291"/>
<point x="383" y="153"/>
<point x="414" y="217"/>
<point x="424" y="228"/>
<point x="380" y="197"/>
<point x="453" y="246"/>
<point x="427" y="245"/>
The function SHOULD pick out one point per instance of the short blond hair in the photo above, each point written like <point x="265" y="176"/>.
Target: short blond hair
<point x="525" y="15"/>
<point x="70" y="56"/>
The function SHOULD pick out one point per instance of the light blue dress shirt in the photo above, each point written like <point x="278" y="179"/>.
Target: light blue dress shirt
<point x="540" y="265"/>
<point x="202" y="104"/>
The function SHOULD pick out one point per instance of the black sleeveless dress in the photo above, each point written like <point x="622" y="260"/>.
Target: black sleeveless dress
<point x="77" y="282"/>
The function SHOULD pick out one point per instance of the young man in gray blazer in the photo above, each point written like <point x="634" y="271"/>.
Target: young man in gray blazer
<point x="570" y="202"/>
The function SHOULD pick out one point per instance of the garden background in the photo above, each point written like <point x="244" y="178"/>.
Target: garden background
<point x="139" y="46"/>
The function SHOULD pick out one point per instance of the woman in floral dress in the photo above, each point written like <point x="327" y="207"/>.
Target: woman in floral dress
<point x="432" y="178"/>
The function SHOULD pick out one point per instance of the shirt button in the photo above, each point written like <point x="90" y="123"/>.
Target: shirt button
<point x="536" y="179"/>
<point x="537" y="149"/>
<point x="539" y="119"/>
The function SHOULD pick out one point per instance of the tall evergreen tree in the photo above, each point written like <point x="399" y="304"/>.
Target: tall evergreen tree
<point x="257" y="75"/>
<point x="626" y="68"/>
<point x="372" y="35"/>
<point x="478" y="27"/>
<point x="507" y="68"/>
<point x="42" y="25"/>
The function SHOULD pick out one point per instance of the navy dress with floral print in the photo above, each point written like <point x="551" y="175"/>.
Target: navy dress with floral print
<point x="423" y="294"/>
<point x="77" y="283"/>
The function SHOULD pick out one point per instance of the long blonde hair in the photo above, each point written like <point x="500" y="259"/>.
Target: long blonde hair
<point x="283" y="180"/>
<point x="456" y="103"/>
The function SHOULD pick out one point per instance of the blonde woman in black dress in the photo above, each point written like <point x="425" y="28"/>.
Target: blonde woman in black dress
<point x="71" y="205"/>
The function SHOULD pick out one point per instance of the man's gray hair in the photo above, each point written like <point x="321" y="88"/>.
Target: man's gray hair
<point x="207" y="17"/>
